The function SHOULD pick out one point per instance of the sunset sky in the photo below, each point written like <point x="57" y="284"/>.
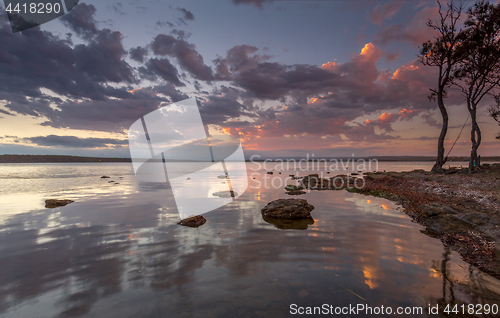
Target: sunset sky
<point x="333" y="78"/>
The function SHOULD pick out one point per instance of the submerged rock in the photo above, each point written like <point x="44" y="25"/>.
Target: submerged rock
<point x="289" y="224"/>
<point x="288" y="209"/>
<point x="295" y="192"/>
<point x="225" y="194"/>
<point x="53" y="203"/>
<point x="291" y="187"/>
<point x="193" y="221"/>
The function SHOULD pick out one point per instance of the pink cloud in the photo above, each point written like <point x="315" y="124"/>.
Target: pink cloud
<point x="390" y="57"/>
<point x="361" y="67"/>
<point x="361" y="89"/>
<point x="416" y="32"/>
<point x="384" y="12"/>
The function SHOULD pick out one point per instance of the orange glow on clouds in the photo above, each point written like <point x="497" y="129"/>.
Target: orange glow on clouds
<point x="329" y="66"/>
<point x="406" y="112"/>
<point x="135" y="90"/>
<point x="403" y="68"/>
<point x="385" y="116"/>
<point x="312" y="100"/>
<point x="367" y="49"/>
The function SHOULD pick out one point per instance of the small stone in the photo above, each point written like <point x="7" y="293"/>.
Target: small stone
<point x="193" y="221"/>
<point x="225" y="194"/>
<point x="53" y="203"/>
<point x="296" y="192"/>
<point x="291" y="187"/>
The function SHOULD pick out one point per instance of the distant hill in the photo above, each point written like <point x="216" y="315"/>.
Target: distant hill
<point x="55" y="159"/>
<point x="62" y="159"/>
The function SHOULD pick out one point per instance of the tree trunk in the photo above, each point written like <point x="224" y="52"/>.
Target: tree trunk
<point x="475" y="138"/>
<point x="440" y="160"/>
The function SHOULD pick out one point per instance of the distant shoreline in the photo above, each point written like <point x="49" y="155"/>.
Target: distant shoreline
<point x="81" y="159"/>
<point x="55" y="159"/>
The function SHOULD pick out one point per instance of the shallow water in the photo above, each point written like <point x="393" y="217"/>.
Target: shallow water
<point x="117" y="252"/>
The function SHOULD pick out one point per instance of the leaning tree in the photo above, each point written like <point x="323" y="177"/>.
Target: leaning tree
<point x="444" y="52"/>
<point x="495" y="111"/>
<point x="478" y="73"/>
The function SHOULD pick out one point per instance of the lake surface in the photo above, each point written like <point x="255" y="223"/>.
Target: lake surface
<point x="118" y="252"/>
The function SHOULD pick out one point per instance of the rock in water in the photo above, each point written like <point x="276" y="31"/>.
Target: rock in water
<point x="288" y="209"/>
<point x="295" y="192"/>
<point x="289" y="224"/>
<point x="53" y="203"/>
<point x="193" y="221"/>
<point x="225" y="194"/>
<point x="291" y="187"/>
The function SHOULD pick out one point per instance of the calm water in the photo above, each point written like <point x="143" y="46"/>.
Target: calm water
<point x="117" y="252"/>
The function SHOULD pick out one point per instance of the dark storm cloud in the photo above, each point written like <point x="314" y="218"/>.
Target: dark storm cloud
<point x="138" y="53"/>
<point x="36" y="59"/>
<point x="160" y="68"/>
<point x="102" y="59"/>
<point x="75" y="142"/>
<point x="326" y="100"/>
<point x="93" y="76"/>
<point x="238" y="58"/>
<point x="170" y="91"/>
<point x="113" y="115"/>
<point x="109" y="115"/>
<point x="81" y="20"/>
<point x="97" y="81"/>
<point x="223" y="105"/>
<point x="197" y="85"/>
<point x="275" y="80"/>
<point x="185" y="53"/>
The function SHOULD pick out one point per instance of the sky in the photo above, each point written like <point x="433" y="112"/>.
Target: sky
<point x="288" y="78"/>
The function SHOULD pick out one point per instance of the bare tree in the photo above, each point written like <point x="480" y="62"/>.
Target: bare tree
<point x="478" y="73"/>
<point x="443" y="52"/>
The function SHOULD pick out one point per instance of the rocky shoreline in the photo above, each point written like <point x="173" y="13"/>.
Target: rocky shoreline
<point x="461" y="209"/>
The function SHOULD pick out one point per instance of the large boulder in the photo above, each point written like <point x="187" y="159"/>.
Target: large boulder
<point x="288" y="209"/>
